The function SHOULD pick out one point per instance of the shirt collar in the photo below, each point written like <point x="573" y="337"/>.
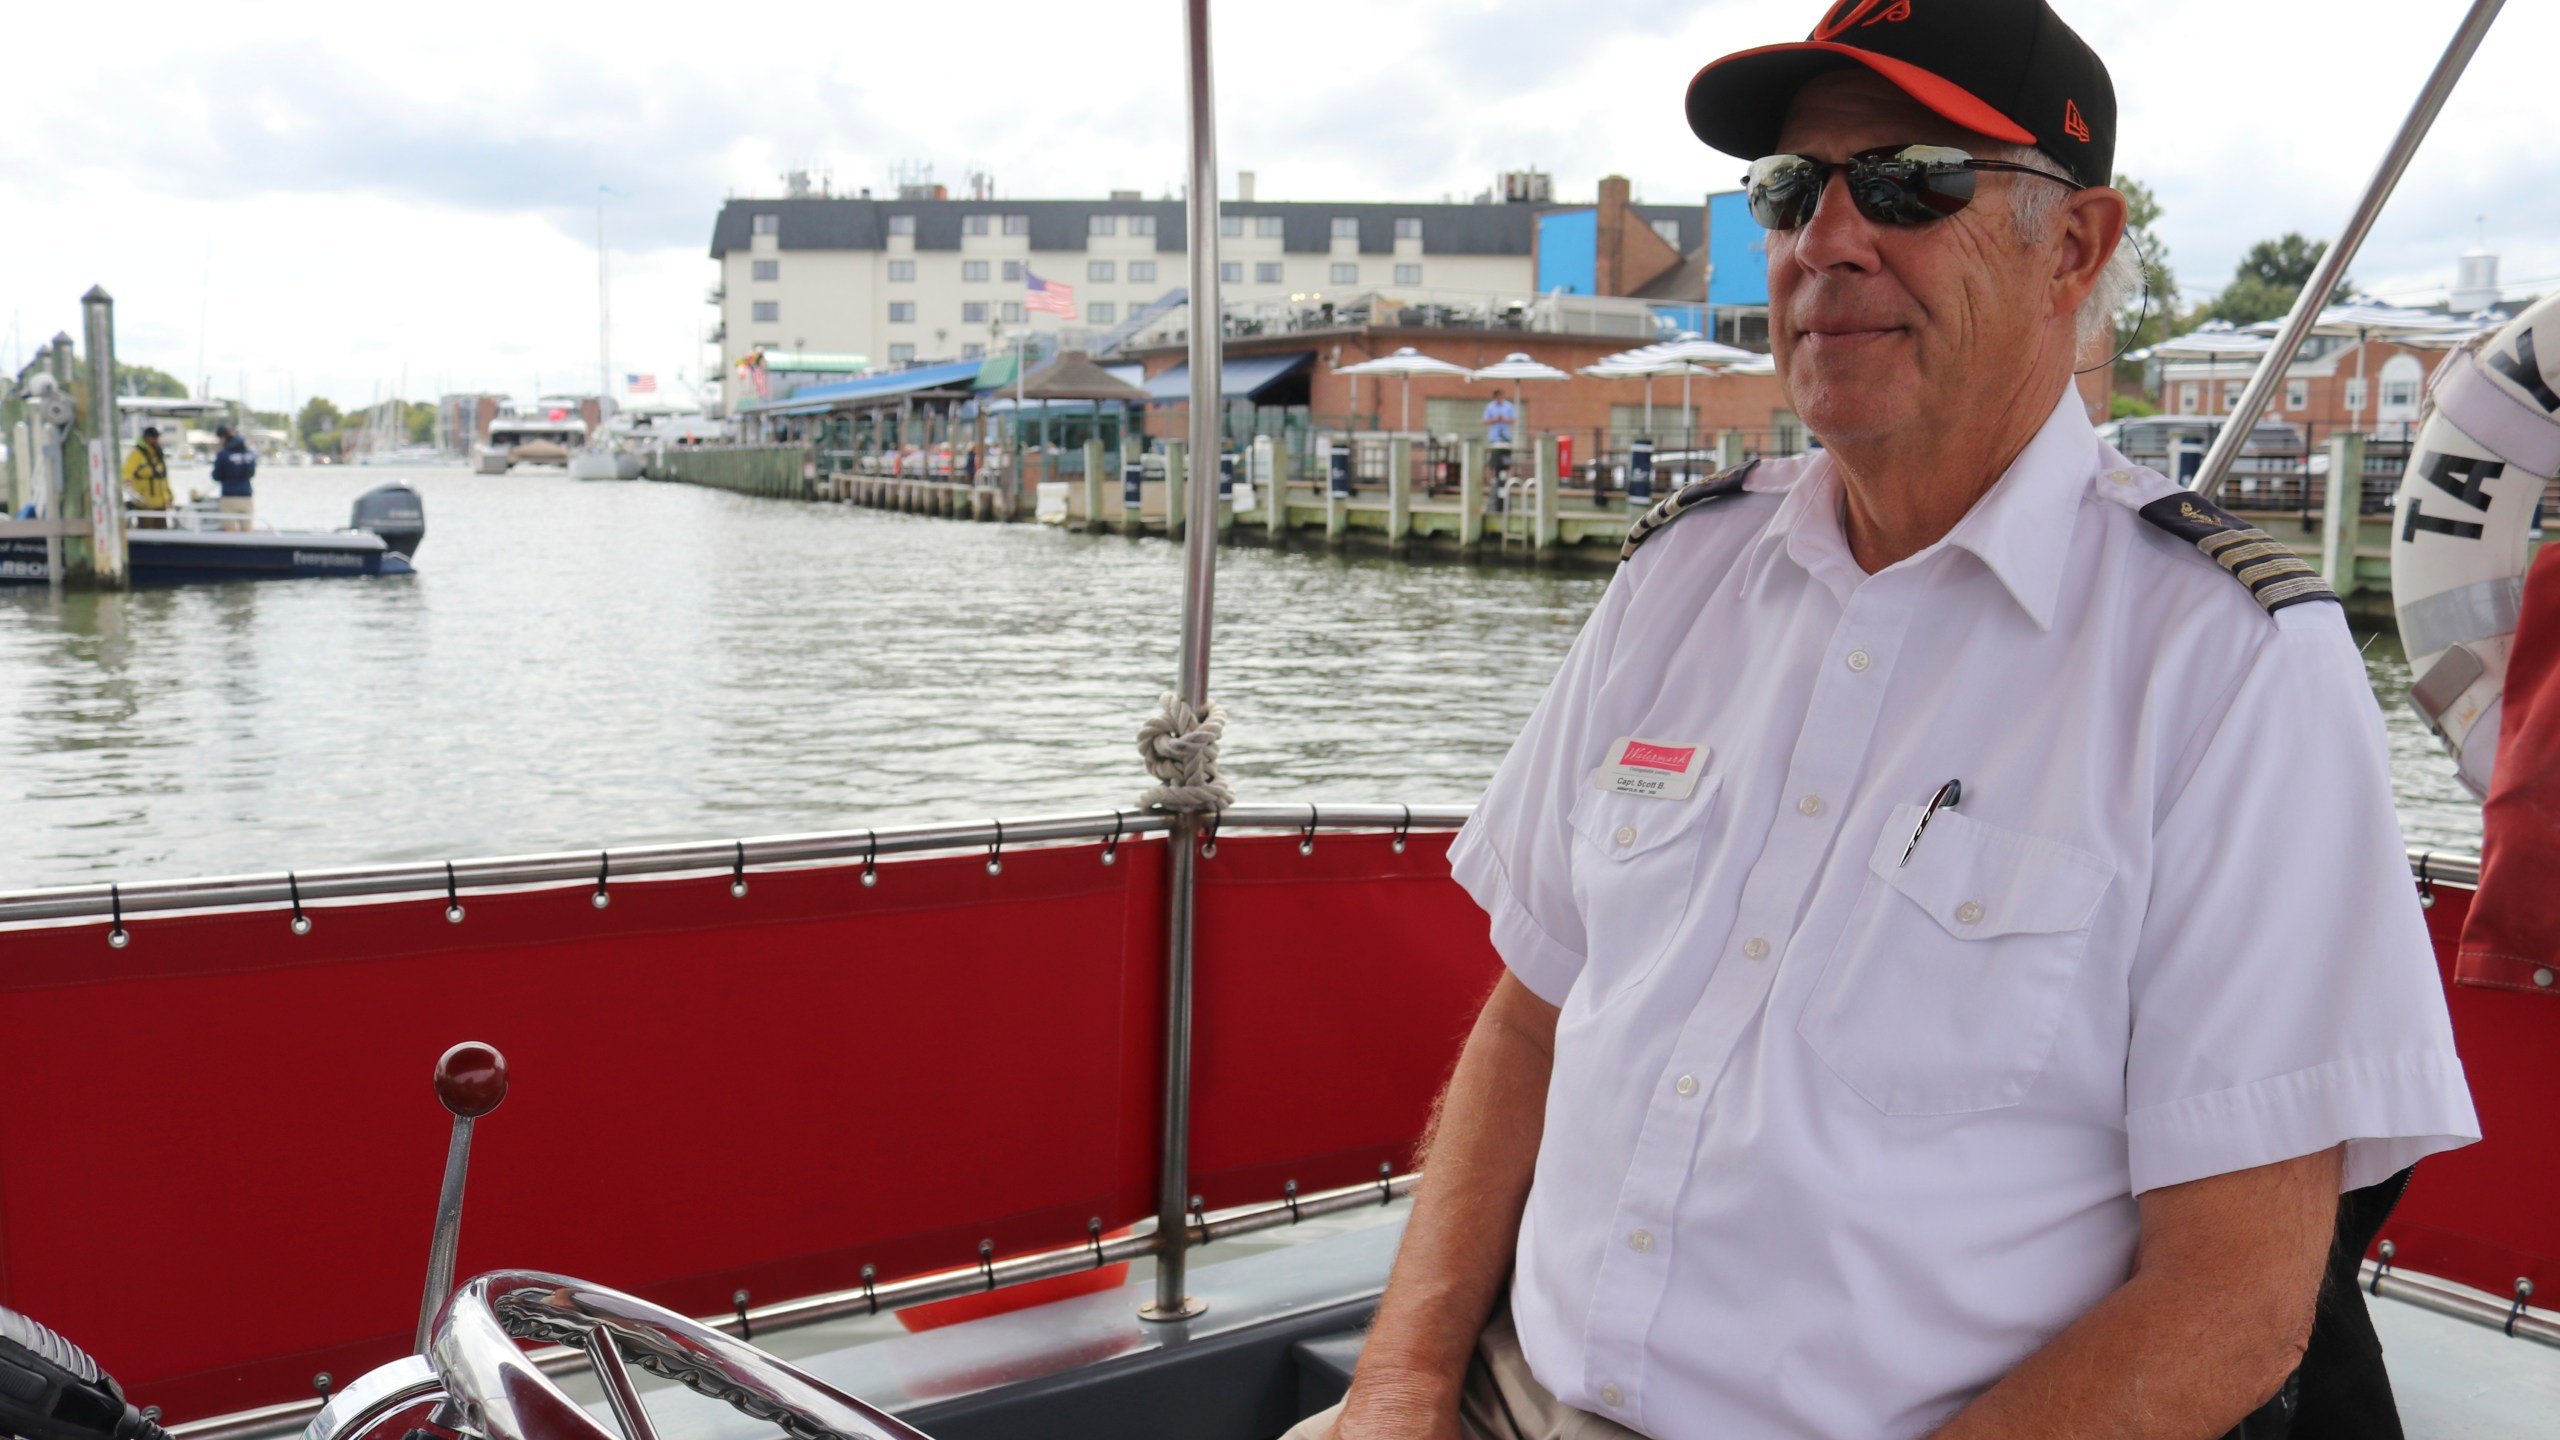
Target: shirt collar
<point x="2020" y="529"/>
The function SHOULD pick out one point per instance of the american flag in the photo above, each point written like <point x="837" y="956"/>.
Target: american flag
<point x="640" y="384"/>
<point x="1055" y="296"/>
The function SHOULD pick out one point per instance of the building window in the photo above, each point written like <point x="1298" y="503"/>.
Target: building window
<point x="1142" y="225"/>
<point x="1013" y="272"/>
<point x="1269" y="227"/>
<point x="974" y="271"/>
<point x="1142" y="272"/>
<point x="973" y="312"/>
<point x="1346" y="227"/>
<point x="768" y="224"/>
<point x="1098" y="271"/>
<point x="2399" y="395"/>
<point x="902" y="272"/>
<point x="1102" y="312"/>
<point x="1231" y="225"/>
<point x="1017" y="224"/>
<point x="1408" y="274"/>
<point x="1408" y="228"/>
<point x="902" y="312"/>
<point x="902" y="354"/>
<point x="768" y="269"/>
<point x="973" y="352"/>
<point x="973" y="224"/>
<point x="902" y="225"/>
<point x="1669" y="230"/>
<point x="1230" y="272"/>
<point x="1346" y="274"/>
<point x="2231" y="394"/>
<point x="1102" y="225"/>
<point x="2297" y="394"/>
<point x="768" y="312"/>
<point x="1266" y="272"/>
<point x="2190" y="399"/>
<point x="1013" y="312"/>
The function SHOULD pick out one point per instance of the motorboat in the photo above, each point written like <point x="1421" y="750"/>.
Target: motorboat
<point x="198" y="542"/>
<point x="542" y="433"/>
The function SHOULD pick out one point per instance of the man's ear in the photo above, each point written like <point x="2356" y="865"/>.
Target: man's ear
<point x="2093" y="222"/>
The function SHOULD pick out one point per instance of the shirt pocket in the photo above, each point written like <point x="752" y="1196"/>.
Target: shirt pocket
<point x="1635" y="875"/>
<point x="1947" y="986"/>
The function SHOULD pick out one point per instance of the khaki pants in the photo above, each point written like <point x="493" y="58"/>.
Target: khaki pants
<point x="1501" y="1400"/>
<point x="236" y="510"/>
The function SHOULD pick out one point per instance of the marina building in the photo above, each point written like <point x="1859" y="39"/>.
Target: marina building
<point x="885" y="284"/>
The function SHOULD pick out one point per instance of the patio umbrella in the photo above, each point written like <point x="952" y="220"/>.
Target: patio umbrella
<point x="1405" y="363"/>
<point x="1689" y="346"/>
<point x="2212" y="342"/>
<point x="1638" y="365"/>
<point x="2363" y="317"/>
<point x="1518" y="367"/>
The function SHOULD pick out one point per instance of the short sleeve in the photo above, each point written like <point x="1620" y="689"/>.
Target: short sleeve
<point x="1511" y="856"/>
<point x="2285" y="995"/>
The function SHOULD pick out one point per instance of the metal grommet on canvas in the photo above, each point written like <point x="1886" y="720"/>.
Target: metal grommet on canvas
<point x="1200" y="1217"/>
<point x="1289" y="1197"/>
<point x="452" y="897"/>
<point x="738" y="873"/>
<point x="1307" y="837"/>
<point x="871" y="862"/>
<point x="1111" y="847"/>
<point x="301" y="922"/>
<point x="1386" y="1174"/>
<point x="2382" y="1265"/>
<point x="604" y="879"/>
<point x="1093" y="1238"/>
<point x="1209" y="842"/>
<point x="2426" y="882"/>
<point x="1403" y="827"/>
<point x="995" y="852"/>
<point x="2515" y="1312"/>
<point x="871" y="1273"/>
<point x="738" y="1302"/>
<point x="117" y="937"/>
<point x="987" y="1261"/>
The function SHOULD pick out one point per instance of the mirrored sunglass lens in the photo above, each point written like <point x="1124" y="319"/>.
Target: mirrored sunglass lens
<point x="1782" y="190"/>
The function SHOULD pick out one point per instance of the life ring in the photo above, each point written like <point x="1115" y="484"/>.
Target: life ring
<point x="2462" y="525"/>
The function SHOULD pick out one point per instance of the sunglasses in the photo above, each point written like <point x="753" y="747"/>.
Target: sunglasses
<point x="1894" y="185"/>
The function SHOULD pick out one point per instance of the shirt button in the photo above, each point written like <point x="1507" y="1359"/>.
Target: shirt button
<point x="1858" y="660"/>
<point x="1612" y="1397"/>
<point x="1968" y="913"/>
<point x="1687" y="1085"/>
<point x="1809" y="805"/>
<point x="1641" y="1241"/>
<point x="1626" y="836"/>
<point x="1756" y="948"/>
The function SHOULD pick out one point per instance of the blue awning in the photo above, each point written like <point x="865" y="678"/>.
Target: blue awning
<point x="1241" y="377"/>
<point x="815" y="398"/>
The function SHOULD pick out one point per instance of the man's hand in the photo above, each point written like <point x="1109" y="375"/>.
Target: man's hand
<point x="2215" y="1317"/>
<point x="1478" y="1156"/>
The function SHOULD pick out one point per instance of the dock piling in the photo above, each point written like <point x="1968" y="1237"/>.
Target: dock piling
<point x="1471" y="494"/>
<point x="2341" y="507"/>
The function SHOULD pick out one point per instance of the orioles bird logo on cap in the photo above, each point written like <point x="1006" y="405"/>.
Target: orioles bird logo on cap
<point x="1853" y="14"/>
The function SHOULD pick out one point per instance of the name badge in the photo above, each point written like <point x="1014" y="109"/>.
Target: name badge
<point x="1650" y="768"/>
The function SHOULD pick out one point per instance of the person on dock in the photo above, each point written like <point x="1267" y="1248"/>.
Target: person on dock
<point x="1962" y="976"/>
<point x="146" y="480"/>
<point x="235" y="465"/>
<point x="1499" y="416"/>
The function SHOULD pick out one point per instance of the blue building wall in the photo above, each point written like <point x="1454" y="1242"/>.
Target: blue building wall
<point x="1737" y="248"/>
<point x="1569" y="251"/>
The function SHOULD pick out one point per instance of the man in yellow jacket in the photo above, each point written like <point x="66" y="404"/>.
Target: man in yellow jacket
<point x="146" y="477"/>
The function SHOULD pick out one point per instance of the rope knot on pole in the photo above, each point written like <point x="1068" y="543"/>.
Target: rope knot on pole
<point x="1180" y="745"/>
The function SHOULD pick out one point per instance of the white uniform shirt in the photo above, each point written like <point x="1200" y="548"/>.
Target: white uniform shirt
<point x="1834" y="1142"/>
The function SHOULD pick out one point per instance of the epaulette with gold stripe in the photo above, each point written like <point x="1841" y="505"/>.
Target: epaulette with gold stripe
<point x="1691" y="496"/>
<point x="2276" y="576"/>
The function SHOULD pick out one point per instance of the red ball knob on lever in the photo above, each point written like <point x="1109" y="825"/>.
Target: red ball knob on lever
<point x="471" y="1079"/>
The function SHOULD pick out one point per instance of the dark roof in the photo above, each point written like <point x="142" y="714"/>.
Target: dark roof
<point x="1692" y="218"/>
<point x="1684" y="281"/>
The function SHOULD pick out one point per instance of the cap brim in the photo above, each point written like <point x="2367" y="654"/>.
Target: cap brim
<point x="1739" y="104"/>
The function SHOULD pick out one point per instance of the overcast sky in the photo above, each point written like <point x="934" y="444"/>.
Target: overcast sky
<point x="311" y="198"/>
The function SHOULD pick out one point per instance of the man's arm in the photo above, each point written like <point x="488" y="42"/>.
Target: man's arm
<point x="1479" y="1153"/>
<point x="2215" y="1317"/>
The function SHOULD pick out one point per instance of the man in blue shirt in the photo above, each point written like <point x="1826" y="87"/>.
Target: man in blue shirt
<point x="233" y="466"/>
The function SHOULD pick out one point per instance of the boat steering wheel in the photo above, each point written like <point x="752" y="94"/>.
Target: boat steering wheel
<point x="504" y="1396"/>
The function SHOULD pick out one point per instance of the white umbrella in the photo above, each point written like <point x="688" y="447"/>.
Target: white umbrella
<point x="2363" y="317"/>
<point x="1405" y="363"/>
<point x="1692" y="347"/>
<point x="1518" y="367"/>
<point x="2211" y="342"/>
<point x="1639" y="365"/>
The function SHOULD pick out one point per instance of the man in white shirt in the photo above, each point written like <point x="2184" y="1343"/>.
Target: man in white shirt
<point x="1959" y="946"/>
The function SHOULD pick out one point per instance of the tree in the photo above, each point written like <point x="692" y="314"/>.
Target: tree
<point x="420" y="419"/>
<point x="2268" y="278"/>
<point x="2151" y="312"/>
<point x="143" y="380"/>
<point x="318" y="418"/>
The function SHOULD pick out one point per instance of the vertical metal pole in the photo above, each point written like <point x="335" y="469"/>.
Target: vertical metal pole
<point x="1199" y="576"/>
<point x="2333" y="262"/>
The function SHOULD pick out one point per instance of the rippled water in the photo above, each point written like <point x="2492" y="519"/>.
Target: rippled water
<point x="586" y="665"/>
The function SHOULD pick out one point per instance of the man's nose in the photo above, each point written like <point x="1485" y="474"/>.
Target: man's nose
<point x="1837" y="236"/>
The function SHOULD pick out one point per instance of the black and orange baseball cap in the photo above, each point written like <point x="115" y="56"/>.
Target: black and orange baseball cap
<point x="2009" y="69"/>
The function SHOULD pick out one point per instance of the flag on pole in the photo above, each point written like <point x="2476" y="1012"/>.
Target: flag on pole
<point x="640" y="384"/>
<point x="1055" y="296"/>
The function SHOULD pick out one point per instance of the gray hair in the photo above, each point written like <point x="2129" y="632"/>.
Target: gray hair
<point x="2034" y="207"/>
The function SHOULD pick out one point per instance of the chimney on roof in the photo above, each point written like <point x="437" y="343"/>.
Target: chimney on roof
<point x="1244" y="184"/>
<point x="1609" y="277"/>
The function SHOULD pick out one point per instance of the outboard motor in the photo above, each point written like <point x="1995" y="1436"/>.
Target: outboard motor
<point x="393" y="512"/>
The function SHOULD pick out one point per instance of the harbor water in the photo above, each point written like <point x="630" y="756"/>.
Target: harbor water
<point x="582" y="666"/>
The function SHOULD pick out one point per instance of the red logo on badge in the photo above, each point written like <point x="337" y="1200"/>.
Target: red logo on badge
<point x="2072" y="124"/>
<point x="1658" y="757"/>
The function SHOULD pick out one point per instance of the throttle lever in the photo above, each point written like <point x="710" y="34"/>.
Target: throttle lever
<point x="51" y="1390"/>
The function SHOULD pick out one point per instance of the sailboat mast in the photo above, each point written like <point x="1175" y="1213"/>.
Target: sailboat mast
<point x="604" y="318"/>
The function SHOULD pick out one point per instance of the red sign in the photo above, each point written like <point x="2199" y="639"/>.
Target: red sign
<point x="1658" y="757"/>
